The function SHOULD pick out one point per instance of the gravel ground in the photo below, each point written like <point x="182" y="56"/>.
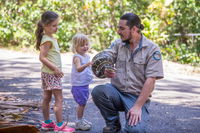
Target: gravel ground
<point x="175" y="106"/>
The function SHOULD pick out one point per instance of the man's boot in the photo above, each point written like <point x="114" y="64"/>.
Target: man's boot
<point x="112" y="129"/>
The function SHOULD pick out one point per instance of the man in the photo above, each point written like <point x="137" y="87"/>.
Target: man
<point x="138" y="65"/>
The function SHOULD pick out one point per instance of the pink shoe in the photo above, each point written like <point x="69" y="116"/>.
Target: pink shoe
<point x="49" y="126"/>
<point x="64" y="129"/>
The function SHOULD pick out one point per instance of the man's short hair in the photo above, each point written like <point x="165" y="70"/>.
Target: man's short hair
<point x="132" y="20"/>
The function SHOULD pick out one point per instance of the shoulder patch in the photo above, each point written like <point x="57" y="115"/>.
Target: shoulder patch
<point x="156" y="55"/>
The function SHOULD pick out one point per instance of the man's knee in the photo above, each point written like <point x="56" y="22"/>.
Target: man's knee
<point x="97" y="91"/>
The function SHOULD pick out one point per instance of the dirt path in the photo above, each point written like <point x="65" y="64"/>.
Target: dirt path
<point x="175" y="106"/>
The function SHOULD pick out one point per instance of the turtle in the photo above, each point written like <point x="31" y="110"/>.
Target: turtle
<point x="102" y="61"/>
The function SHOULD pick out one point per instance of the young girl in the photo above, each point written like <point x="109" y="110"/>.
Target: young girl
<point x="51" y="72"/>
<point x="81" y="77"/>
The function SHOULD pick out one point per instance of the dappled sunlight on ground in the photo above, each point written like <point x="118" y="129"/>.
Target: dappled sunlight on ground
<point x="175" y="101"/>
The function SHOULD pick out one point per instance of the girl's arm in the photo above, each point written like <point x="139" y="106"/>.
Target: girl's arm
<point x="44" y="48"/>
<point x="77" y="62"/>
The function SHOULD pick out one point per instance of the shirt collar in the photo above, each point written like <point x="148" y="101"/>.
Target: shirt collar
<point x="144" y="41"/>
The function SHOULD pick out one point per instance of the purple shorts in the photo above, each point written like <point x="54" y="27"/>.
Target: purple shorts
<point x="80" y="94"/>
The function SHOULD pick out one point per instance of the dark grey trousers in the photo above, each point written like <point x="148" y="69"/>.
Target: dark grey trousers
<point x="110" y="101"/>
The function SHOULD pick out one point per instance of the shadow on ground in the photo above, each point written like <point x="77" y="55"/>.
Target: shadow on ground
<point x="174" y="108"/>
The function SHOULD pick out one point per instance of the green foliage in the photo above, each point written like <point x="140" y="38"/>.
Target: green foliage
<point x="181" y="53"/>
<point x="99" y="19"/>
<point x="168" y="17"/>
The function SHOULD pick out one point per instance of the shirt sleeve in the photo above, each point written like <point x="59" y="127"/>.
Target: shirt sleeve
<point x="154" y="66"/>
<point x="46" y="39"/>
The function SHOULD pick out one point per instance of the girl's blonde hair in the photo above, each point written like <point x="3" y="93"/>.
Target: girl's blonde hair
<point x="77" y="40"/>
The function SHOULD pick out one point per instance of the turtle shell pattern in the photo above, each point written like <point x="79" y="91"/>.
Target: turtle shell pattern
<point x="101" y="61"/>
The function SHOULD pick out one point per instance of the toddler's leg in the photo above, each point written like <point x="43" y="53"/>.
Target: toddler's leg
<point x="58" y="104"/>
<point x="80" y="111"/>
<point x="80" y="94"/>
<point x="47" y="95"/>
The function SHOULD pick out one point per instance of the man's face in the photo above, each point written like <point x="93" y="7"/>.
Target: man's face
<point x="124" y="31"/>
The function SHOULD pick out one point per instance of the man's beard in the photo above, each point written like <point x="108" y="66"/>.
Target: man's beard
<point x="127" y="41"/>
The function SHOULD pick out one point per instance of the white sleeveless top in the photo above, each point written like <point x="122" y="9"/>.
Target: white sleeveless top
<point x="81" y="78"/>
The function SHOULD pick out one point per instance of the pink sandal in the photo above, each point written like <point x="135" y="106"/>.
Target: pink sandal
<point x="64" y="129"/>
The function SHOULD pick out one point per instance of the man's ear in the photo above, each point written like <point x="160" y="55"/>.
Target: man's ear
<point x="133" y="29"/>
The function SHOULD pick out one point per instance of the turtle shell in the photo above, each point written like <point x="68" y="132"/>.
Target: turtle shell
<point x="101" y="61"/>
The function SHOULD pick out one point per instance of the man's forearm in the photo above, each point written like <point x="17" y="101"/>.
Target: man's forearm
<point x="146" y="91"/>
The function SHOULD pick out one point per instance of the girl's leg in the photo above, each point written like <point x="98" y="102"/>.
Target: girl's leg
<point x="58" y="104"/>
<point x="80" y="111"/>
<point x="47" y="95"/>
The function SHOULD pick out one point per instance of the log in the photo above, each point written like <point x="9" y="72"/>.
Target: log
<point x="20" y="129"/>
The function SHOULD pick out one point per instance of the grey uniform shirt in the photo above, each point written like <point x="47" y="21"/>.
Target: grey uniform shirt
<point x="134" y="67"/>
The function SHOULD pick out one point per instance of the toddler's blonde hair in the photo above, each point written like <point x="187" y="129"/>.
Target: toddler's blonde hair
<point x="77" y="40"/>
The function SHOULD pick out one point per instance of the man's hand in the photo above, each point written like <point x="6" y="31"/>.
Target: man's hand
<point x="109" y="73"/>
<point x="134" y="115"/>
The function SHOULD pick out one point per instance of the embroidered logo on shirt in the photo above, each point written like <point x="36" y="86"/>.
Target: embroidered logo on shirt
<point x="156" y="55"/>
